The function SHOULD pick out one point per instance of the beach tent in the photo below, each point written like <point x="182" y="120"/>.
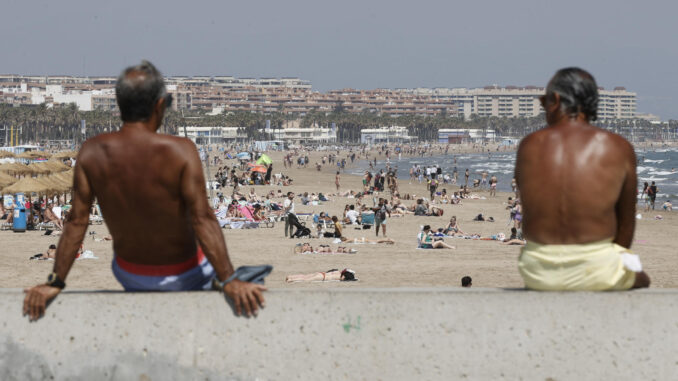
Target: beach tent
<point x="264" y="159"/>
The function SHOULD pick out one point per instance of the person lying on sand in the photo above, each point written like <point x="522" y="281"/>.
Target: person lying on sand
<point x="426" y="240"/>
<point x="387" y="241"/>
<point x="306" y="248"/>
<point x="345" y="275"/>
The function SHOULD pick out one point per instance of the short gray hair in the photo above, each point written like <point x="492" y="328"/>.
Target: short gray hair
<point x="137" y="91"/>
<point x="578" y="92"/>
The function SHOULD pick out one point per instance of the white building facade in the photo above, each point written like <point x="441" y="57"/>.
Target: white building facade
<point x="393" y="134"/>
<point x="514" y="102"/>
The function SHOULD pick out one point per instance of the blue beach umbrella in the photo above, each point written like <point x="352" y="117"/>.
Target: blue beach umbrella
<point x="243" y="155"/>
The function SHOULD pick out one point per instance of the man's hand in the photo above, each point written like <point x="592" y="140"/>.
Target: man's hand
<point x="36" y="300"/>
<point x="245" y="296"/>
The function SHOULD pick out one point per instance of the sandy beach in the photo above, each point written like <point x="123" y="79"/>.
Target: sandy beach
<point x="489" y="263"/>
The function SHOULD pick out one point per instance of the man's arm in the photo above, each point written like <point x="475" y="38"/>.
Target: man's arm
<point x="626" y="204"/>
<point x="245" y="295"/>
<point x="74" y="231"/>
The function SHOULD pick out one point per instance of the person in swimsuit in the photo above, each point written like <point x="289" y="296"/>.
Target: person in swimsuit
<point x="345" y="275"/>
<point x="426" y="240"/>
<point x="152" y="191"/>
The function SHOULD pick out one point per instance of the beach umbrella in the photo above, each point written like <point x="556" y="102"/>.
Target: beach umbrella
<point x="27" y="185"/>
<point x="264" y="159"/>
<point x="56" y="166"/>
<point x="39" y="168"/>
<point x="33" y="155"/>
<point x="6" y="180"/>
<point x="65" y="155"/>
<point x="258" y="168"/>
<point x="15" y="168"/>
<point x="6" y="154"/>
<point x="243" y="155"/>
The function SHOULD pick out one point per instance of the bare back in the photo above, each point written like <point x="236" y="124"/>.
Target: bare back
<point x="136" y="177"/>
<point x="577" y="184"/>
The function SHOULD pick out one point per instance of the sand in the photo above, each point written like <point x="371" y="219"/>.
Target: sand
<point x="489" y="263"/>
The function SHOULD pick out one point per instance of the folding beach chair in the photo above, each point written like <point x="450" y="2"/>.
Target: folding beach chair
<point x="367" y="220"/>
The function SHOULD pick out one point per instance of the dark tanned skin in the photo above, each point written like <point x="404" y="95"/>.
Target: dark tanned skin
<point x="151" y="189"/>
<point x="577" y="183"/>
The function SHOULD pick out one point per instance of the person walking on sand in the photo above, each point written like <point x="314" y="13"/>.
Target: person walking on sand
<point x="336" y="180"/>
<point x="152" y="191"/>
<point x="575" y="241"/>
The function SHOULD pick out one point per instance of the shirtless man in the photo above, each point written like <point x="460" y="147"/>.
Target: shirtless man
<point x="152" y="191"/>
<point x="578" y="190"/>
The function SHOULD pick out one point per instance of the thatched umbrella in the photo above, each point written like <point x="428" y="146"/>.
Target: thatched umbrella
<point x="65" y="155"/>
<point x="40" y="168"/>
<point x="28" y="185"/>
<point x="15" y="168"/>
<point x="62" y="180"/>
<point x="57" y="166"/>
<point x="6" y="180"/>
<point x="34" y="155"/>
<point x="6" y="154"/>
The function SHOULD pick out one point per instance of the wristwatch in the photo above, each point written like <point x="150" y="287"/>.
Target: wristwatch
<point x="54" y="281"/>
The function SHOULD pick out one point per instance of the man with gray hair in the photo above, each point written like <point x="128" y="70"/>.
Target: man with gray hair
<point x="152" y="191"/>
<point x="577" y="187"/>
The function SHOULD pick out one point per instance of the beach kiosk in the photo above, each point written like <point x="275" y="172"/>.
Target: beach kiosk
<point x="19" y="220"/>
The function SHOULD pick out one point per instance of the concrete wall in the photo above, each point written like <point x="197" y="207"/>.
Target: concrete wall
<point x="356" y="334"/>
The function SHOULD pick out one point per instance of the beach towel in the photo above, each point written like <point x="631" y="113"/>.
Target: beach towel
<point x="595" y="266"/>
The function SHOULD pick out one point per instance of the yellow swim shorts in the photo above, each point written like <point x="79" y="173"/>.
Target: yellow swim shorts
<point x="595" y="266"/>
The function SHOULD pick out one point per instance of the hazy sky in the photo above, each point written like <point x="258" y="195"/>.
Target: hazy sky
<point x="360" y="44"/>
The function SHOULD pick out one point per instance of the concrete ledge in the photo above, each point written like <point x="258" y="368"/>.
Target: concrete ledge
<point x="370" y="334"/>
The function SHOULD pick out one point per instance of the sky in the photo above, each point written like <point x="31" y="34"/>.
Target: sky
<point x="356" y="44"/>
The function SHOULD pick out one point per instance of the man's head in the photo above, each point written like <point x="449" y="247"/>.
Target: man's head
<point x="141" y="94"/>
<point x="351" y="207"/>
<point x="426" y="228"/>
<point x="466" y="281"/>
<point x="290" y="195"/>
<point x="571" y="93"/>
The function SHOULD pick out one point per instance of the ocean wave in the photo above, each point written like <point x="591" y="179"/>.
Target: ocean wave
<point x="653" y="161"/>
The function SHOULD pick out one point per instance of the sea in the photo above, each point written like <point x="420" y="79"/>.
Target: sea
<point x="658" y="165"/>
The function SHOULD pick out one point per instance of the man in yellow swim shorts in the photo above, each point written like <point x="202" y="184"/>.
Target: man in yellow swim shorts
<point x="577" y="186"/>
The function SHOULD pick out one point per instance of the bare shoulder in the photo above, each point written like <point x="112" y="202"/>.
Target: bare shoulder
<point x="617" y="143"/>
<point x="530" y="140"/>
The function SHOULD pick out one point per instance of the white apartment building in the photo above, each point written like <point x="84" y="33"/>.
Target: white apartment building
<point x="393" y="134"/>
<point x="512" y="101"/>
<point x="213" y="135"/>
<point x="315" y="135"/>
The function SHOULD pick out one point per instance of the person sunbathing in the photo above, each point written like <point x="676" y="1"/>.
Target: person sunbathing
<point x="306" y="248"/>
<point x="51" y="217"/>
<point x="453" y="227"/>
<point x="516" y="238"/>
<point x="49" y="254"/>
<point x="344" y="275"/>
<point x="426" y="240"/>
<point x="387" y="241"/>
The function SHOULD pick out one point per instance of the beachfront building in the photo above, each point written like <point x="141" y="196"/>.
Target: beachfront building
<point x="213" y="135"/>
<point x="393" y="134"/>
<point x="514" y="102"/>
<point x="460" y="135"/>
<point x="300" y="135"/>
